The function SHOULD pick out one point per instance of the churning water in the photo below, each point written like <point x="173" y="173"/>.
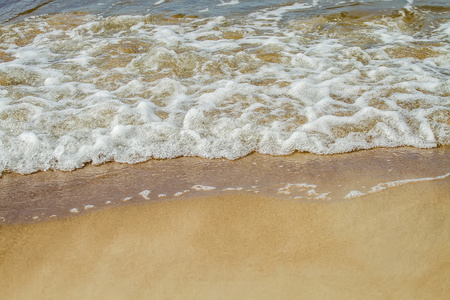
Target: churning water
<point x="127" y="81"/>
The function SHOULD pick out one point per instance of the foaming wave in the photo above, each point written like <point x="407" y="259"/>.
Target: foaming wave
<point x="78" y="88"/>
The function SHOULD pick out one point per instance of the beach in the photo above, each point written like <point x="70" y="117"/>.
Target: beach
<point x="236" y="244"/>
<point x="224" y="149"/>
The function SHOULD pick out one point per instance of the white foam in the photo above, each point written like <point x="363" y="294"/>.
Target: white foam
<point x="231" y="2"/>
<point x="354" y="194"/>
<point x="144" y="194"/>
<point x="181" y="193"/>
<point x="229" y="189"/>
<point x="199" y="187"/>
<point x="444" y="29"/>
<point x="303" y="191"/>
<point x="290" y="187"/>
<point x="323" y="196"/>
<point x="386" y="185"/>
<point x="128" y="89"/>
<point x="233" y="189"/>
<point x="74" y="210"/>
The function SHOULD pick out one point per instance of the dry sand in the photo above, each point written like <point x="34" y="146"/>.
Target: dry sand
<point x="394" y="244"/>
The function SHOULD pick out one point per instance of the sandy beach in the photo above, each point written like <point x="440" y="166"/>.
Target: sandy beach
<point x="392" y="244"/>
<point x="257" y="149"/>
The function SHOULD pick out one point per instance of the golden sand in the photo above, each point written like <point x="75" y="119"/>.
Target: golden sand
<point x="393" y="244"/>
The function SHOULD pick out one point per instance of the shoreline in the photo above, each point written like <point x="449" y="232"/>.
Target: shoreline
<point x="301" y="177"/>
<point x="391" y="244"/>
<point x="228" y="242"/>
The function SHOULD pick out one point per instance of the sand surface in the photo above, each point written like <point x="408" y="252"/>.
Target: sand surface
<point x="301" y="176"/>
<point x="393" y="244"/>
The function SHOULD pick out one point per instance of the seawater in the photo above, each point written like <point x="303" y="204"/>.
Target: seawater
<point x="128" y="81"/>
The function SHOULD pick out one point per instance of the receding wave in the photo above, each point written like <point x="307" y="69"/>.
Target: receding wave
<point x="78" y="88"/>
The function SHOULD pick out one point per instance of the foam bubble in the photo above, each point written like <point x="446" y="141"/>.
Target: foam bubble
<point x="354" y="194"/>
<point x="386" y="185"/>
<point x="177" y="194"/>
<point x="144" y="194"/>
<point x="132" y="88"/>
<point x="199" y="187"/>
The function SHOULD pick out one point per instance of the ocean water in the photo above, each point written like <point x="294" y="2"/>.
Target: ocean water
<point x="128" y="81"/>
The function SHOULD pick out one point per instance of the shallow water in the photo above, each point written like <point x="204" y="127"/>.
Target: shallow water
<point x="300" y="177"/>
<point x="129" y="81"/>
<point x="12" y="10"/>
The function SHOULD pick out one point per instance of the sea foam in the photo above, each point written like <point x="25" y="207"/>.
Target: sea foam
<point x="132" y="88"/>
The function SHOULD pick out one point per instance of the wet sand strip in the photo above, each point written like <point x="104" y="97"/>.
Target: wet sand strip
<point x="299" y="177"/>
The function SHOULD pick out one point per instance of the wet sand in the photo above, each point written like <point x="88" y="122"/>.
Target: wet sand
<point x="393" y="244"/>
<point x="301" y="176"/>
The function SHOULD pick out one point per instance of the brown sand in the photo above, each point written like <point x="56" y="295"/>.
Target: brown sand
<point x="48" y="195"/>
<point x="390" y="245"/>
<point x="267" y="240"/>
